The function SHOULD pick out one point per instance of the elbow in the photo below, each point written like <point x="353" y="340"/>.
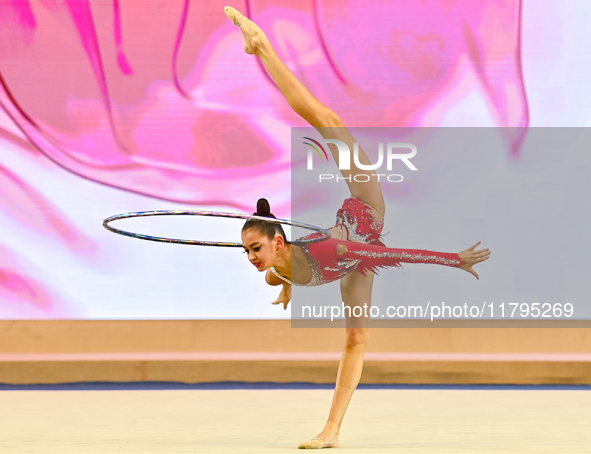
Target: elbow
<point x="273" y="283"/>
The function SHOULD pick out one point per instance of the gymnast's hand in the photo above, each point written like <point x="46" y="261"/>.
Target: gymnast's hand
<point x="470" y="257"/>
<point x="284" y="296"/>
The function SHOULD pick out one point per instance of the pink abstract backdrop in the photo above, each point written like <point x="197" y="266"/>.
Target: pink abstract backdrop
<point x="158" y="99"/>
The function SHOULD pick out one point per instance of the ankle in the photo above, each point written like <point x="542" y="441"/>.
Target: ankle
<point x="262" y="47"/>
<point x="329" y="432"/>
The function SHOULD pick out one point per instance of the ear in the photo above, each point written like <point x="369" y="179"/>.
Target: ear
<point x="279" y="242"/>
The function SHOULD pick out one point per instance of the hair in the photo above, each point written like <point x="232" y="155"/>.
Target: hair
<point x="268" y="229"/>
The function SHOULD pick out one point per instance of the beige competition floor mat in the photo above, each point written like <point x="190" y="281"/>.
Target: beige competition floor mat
<point x="276" y="420"/>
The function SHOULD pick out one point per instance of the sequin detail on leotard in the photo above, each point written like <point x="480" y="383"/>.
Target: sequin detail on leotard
<point x="362" y="227"/>
<point x="410" y="257"/>
<point x="364" y="251"/>
<point x="361" y="224"/>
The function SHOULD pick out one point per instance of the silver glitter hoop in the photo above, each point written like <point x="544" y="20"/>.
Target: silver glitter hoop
<point x="141" y="236"/>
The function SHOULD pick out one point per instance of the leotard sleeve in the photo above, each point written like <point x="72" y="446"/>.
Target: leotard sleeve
<point x="340" y="257"/>
<point x="385" y="256"/>
<point x="332" y="259"/>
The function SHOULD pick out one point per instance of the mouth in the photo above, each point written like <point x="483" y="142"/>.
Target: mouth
<point x="257" y="264"/>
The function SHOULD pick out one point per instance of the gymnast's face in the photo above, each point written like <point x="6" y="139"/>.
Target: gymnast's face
<point x="261" y="250"/>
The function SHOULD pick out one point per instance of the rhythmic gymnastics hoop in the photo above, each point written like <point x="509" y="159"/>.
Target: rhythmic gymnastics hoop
<point x="141" y="236"/>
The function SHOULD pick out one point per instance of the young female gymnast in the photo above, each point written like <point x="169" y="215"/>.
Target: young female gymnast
<point x="354" y="247"/>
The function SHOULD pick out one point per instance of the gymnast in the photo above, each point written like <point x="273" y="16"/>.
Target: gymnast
<point x="355" y="247"/>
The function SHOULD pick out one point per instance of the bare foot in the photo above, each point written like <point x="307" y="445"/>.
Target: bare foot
<point x="252" y="35"/>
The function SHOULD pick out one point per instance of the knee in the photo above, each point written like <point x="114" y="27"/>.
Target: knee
<point x="329" y="119"/>
<point x="357" y="337"/>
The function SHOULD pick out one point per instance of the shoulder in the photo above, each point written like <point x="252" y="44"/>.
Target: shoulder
<point x="271" y="279"/>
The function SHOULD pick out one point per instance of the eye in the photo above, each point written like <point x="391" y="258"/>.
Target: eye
<point x="256" y="249"/>
<point x="245" y="251"/>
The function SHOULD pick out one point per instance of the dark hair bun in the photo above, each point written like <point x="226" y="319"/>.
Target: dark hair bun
<point x="263" y="208"/>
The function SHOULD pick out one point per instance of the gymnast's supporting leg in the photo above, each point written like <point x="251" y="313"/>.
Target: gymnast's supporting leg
<point x="327" y="122"/>
<point x="356" y="291"/>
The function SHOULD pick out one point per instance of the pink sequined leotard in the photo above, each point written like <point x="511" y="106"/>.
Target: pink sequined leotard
<point x="332" y="259"/>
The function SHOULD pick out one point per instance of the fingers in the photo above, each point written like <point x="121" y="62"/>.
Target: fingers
<point x="477" y="258"/>
<point x="471" y="271"/>
<point x="474" y="257"/>
<point x="285" y="303"/>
